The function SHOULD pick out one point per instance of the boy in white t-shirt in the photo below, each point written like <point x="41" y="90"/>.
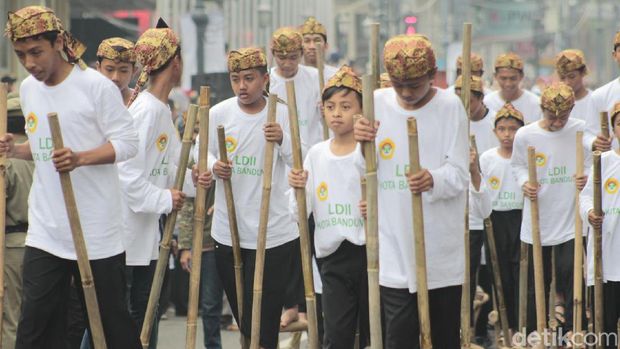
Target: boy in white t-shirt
<point x="507" y="204"/>
<point x="116" y="60"/>
<point x="610" y="175"/>
<point x="554" y="138"/>
<point x="314" y="34"/>
<point x="333" y="170"/>
<point x="444" y="149"/>
<point x="604" y="98"/>
<point x="97" y="132"/>
<point x="509" y="74"/>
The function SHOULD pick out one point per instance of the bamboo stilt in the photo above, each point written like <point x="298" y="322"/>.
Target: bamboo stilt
<point x="259" y="267"/>
<point x="374" y="54"/>
<point x="523" y="276"/>
<point x="372" y="221"/>
<point x="164" y="250"/>
<point x="539" y="280"/>
<point x="598" y="250"/>
<point x="419" y="244"/>
<point x="553" y="322"/>
<point x="304" y="237"/>
<point x="3" y="130"/>
<point x="200" y="203"/>
<point x="604" y="123"/>
<point x="578" y="261"/>
<point x="86" y="274"/>
<point x="320" y="64"/>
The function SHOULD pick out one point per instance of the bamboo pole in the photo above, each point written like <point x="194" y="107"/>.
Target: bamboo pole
<point x="578" y="260"/>
<point x="598" y="250"/>
<point x="553" y="322"/>
<point x="259" y="266"/>
<point x="372" y="222"/>
<point x="232" y="222"/>
<point x="418" y="238"/>
<point x="604" y="124"/>
<point x="523" y="276"/>
<point x="465" y="98"/>
<point x="304" y="238"/>
<point x="374" y="54"/>
<point x="539" y="280"/>
<point x="86" y="274"/>
<point x="164" y="249"/>
<point x="3" y="127"/>
<point x="200" y="203"/>
<point x="320" y="64"/>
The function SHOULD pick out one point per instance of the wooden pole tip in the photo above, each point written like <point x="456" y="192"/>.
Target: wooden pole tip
<point x="596" y="153"/>
<point x="412" y="126"/>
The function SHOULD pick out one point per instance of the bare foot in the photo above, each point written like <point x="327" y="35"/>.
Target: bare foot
<point x="288" y="316"/>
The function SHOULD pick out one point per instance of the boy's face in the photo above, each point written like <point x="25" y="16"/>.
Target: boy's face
<point x="288" y="63"/>
<point x="310" y="45"/>
<point x="574" y="79"/>
<point x="616" y="55"/>
<point x="339" y="110"/>
<point x="554" y="122"/>
<point x="120" y="73"/>
<point x="38" y="56"/>
<point x="177" y="68"/>
<point x="508" y="79"/>
<point x="475" y="102"/>
<point x="248" y="85"/>
<point x="412" y="91"/>
<point x="505" y="131"/>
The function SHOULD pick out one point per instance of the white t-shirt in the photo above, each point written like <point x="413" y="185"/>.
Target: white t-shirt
<point x="146" y="178"/>
<point x="329" y="71"/>
<point x="603" y="99"/>
<point x="584" y="110"/>
<point x="528" y="104"/>
<point x="91" y="113"/>
<point x="610" y="177"/>
<point x="245" y="142"/>
<point x="307" y="96"/>
<point x="505" y="192"/>
<point x="556" y="166"/>
<point x="444" y="150"/>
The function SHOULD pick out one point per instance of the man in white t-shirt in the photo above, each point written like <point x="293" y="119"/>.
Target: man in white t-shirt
<point x="554" y="138"/>
<point x="509" y="74"/>
<point x="444" y="157"/>
<point x="314" y="34"/>
<point x="604" y="98"/>
<point x="116" y="60"/>
<point x="98" y="133"/>
<point x="476" y="64"/>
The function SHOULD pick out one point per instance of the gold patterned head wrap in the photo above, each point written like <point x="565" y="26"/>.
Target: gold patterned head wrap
<point x="408" y="57"/>
<point x="312" y="26"/>
<point x="384" y="80"/>
<point x="615" y="112"/>
<point x="286" y="40"/>
<point x="153" y="50"/>
<point x="246" y="58"/>
<point x="345" y="77"/>
<point x="509" y="111"/>
<point x="117" y="50"/>
<point x="570" y="60"/>
<point x="476" y="63"/>
<point x="509" y="60"/>
<point x="477" y="85"/>
<point x="35" y="20"/>
<point x="557" y="97"/>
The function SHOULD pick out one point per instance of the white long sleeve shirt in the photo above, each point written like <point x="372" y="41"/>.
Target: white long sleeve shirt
<point x="584" y="110"/>
<point x="528" y="104"/>
<point x="91" y="113"/>
<point x="603" y="99"/>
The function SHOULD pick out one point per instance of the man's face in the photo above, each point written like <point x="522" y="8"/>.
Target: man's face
<point x="288" y="63"/>
<point x="574" y="79"/>
<point x="248" y="85"/>
<point x="38" y="56"/>
<point x="555" y="122"/>
<point x="310" y="45"/>
<point x="475" y="102"/>
<point x="119" y="72"/>
<point x="508" y="80"/>
<point x="411" y="91"/>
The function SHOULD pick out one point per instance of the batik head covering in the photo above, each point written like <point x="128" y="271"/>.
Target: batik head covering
<point x="384" y="80"/>
<point x="475" y="60"/>
<point x="476" y="84"/>
<point x="345" y="77"/>
<point x="246" y="58"/>
<point x="509" y="111"/>
<point x="557" y="97"/>
<point x="569" y="60"/>
<point x="312" y="26"/>
<point x="286" y="40"/>
<point x="408" y="57"/>
<point x="117" y="50"/>
<point x="509" y="60"/>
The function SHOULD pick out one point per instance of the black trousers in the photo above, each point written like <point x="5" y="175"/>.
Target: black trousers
<point x="401" y="324"/>
<point x="275" y="279"/>
<point x="345" y="297"/>
<point x="611" y="312"/>
<point x="139" y="282"/>
<point x="47" y="280"/>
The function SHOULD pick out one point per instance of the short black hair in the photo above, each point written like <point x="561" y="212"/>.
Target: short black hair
<point x="50" y="36"/>
<point x="614" y="117"/>
<point x="331" y="91"/>
<point x="163" y="67"/>
<point x="616" y="46"/>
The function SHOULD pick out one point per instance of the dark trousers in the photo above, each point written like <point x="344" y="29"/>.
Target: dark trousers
<point x="401" y="323"/>
<point x="139" y="281"/>
<point x="345" y="297"/>
<point x="47" y="282"/>
<point x="211" y="303"/>
<point x="476" y="240"/>
<point x="611" y="311"/>
<point x="275" y="278"/>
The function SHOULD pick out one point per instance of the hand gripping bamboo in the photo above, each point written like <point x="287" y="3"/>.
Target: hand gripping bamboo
<point x="374" y="54"/>
<point x="164" y="249"/>
<point x="86" y="274"/>
<point x="200" y="203"/>
<point x="578" y="261"/>
<point x="598" y="250"/>
<point x="3" y="126"/>
<point x="259" y="266"/>
<point x="304" y="239"/>
<point x="320" y="64"/>
<point x="418" y="238"/>
<point x="539" y="280"/>
<point x="372" y="226"/>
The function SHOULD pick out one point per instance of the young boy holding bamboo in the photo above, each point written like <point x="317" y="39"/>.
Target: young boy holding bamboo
<point x="509" y="74"/>
<point x="610" y="175"/>
<point x="315" y="34"/>
<point x="507" y="204"/>
<point x="98" y="132"/>
<point x="333" y="169"/>
<point x="442" y="124"/>
<point x="244" y="118"/>
<point x="116" y="60"/>
<point x="553" y="137"/>
<point x="604" y="98"/>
